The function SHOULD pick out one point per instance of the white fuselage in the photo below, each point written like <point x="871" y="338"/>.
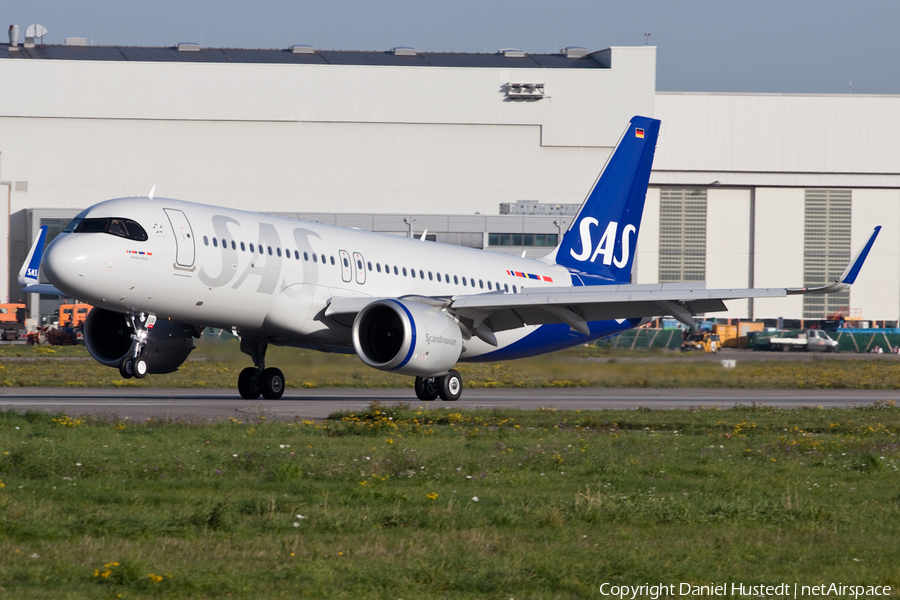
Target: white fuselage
<point x="268" y="276"/>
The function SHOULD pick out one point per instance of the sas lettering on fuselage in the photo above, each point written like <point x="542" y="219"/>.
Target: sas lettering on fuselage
<point x="263" y="263"/>
<point x="606" y="246"/>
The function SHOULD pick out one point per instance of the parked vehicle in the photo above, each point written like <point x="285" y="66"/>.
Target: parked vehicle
<point x="811" y="340"/>
<point x="704" y="341"/>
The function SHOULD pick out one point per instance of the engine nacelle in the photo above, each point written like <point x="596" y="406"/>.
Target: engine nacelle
<point x="406" y="337"/>
<point x="107" y="336"/>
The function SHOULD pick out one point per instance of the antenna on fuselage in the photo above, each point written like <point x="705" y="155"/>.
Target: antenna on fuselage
<point x="150" y="195"/>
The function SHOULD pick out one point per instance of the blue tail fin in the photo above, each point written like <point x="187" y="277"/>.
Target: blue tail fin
<point x="29" y="274"/>
<point x="599" y="245"/>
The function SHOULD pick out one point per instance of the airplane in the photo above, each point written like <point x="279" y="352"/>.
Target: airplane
<point x="159" y="271"/>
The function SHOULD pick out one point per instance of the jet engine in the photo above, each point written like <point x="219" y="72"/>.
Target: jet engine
<point x="107" y="336"/>
<point x="406" y="337"/>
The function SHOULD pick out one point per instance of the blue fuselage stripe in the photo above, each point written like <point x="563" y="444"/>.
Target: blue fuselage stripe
<point x="550" y="338"/>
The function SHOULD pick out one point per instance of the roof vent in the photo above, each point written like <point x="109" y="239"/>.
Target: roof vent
<point x="188" y="47"/>
<point x="404" y="51"/>
<point x="75" y="41"/>
<point x="302" y="49"/>
<point x="574" y="52"/>
<point x="512" y="53"/>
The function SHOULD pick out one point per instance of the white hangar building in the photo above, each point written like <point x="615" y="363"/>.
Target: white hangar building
<point x="747" y="190"/>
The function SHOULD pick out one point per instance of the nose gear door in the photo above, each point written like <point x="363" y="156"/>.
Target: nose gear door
<point x="184" y="239"/>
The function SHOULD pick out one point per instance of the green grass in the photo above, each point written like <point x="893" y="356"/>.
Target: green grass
<point x="96" y="507"/>
<point x="217" y="365"/>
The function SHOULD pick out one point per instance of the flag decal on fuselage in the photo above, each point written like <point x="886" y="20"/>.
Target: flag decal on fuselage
<point x="638" y="132"/>
<point x="529" y="276"/>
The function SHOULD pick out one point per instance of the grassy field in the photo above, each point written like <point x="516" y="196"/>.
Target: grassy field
<point x="393" y="503"/>
<point x="219" y="364"/>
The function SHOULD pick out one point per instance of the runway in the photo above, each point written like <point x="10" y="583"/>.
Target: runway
<point x="212" y="404"/>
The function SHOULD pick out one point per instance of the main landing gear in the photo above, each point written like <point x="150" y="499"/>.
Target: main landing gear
<point x="132" y="365"/>
<point x="448" y="387"/>
<point x="258" y="380"/>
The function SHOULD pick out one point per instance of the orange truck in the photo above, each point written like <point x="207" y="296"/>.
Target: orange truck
<point x="12" y="321"/>
<point x="9" y="313"/>
<point x="73" y="315"/>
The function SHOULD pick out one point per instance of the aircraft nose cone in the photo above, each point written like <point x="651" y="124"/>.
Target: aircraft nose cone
<point x="64" y="263"/>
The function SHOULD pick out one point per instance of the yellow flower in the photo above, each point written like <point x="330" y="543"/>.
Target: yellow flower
<point x="432" y="496"/>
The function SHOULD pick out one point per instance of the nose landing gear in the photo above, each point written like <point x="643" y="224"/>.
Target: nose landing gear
<point x="134" y="365"/>
<point x="258" y="380"/>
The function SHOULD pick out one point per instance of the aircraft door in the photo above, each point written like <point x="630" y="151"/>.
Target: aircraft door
<point x="346" y="269"/>
<point x="184" y="239"/>
<point x="360" y="268"/>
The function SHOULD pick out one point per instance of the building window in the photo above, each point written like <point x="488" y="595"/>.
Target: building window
<point x="826" y="249"/>
<point x="523" y="239"/>
<point x="682" y="234"/>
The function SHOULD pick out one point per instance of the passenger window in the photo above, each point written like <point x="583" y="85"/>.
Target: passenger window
<point x="314" y="257"/>
<point x="404" y="271"/>
<point x="205" y="241"/>
<point x="215" y="242"/>
<point x="439" y="276"/>
<point x="515" y="290"/>
<point x="489" y="285"/>
<point x="505" y="287"/>
<point x="233" y="245"/>
<point x="413" y="273"/>
<point x="332" y="260"/>
<point x="224" y="243"/>
<point x="430" y="278"/>
<point x="346" y="263"/>
<point x="378" y="267"/>
<point x="396" y="272"/>
<point x="243" y="248"/>
<point x="270" y="250"/>
<point x="481" y="283"/>
<point x="359" y="265"/>
<point x="306" y="256"/>
<point x="421" y="274"/>
<point x="455" y="280"/>
<point x="370" y="267"/>
<point x="464" y="281"/>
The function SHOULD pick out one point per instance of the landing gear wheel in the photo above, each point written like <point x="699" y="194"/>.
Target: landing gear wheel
<point x="272" y="383"/>
<point x="450" y="386"/>
<point x="139" y="367"/>
<point x="126" y="368"/>
<point x="427" y="388"/>
<point x="248" y="384"/>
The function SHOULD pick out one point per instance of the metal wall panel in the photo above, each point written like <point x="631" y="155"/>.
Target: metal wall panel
<point x="847" y="134"/>
<point x="876" y="293"/>
<point x="826" y="248"/>
<point x="778" y="261"/>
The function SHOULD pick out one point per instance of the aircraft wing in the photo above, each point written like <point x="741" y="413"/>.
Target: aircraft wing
<point x="30" y="273"/>
<point x="576" y="306"/>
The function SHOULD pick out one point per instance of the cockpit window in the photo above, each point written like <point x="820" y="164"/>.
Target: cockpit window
<point x="125" y="228"/>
